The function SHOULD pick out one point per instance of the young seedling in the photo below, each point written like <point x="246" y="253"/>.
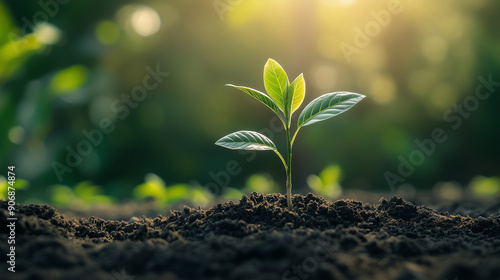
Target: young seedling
<point x="284" y="98"/>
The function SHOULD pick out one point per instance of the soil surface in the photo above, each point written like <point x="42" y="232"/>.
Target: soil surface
<point x="259" y="238"/>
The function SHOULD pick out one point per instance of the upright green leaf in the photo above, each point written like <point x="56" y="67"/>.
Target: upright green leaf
<point x="296" y="93"/>
<point x="328" y="105"/>
<point x="275" y="82"/>
<point x="266" y="100"/>
<point x="246" y="140"/>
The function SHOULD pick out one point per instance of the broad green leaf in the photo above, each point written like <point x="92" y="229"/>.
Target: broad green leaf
<point x="266" y="100"/>
<point x="295" y="93"/>
<point x="275" y="82"/>
<point x="328" y="105"/>
<point x="246" y="140"/>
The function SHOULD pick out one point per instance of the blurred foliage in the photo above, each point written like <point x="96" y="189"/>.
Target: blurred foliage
<point x="68" y="80"/>
<point x="479" y="187"/>
<point x="260" y="183"/>
<point x="448" y="191"/>
<point x="63" y="67"/>
<point x="154" y="187"/>
<point x="19" y="184"/>
<point x="485" y="186"/>
<point x="327" y="183"/>
<point x="82" y="195"/>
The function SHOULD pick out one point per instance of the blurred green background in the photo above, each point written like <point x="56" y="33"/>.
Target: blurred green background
<point x="67" y="66"/>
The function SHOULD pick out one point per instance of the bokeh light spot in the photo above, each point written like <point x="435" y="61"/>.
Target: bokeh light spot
<point x="145" y="21"/>
<point x="107" y="32"/>
<point x="443" y="96"/>
<point x="448" y="190"/>
<point x="324" y="77"/>
<point x="16" y="134"/>
<point x="435" y="48"/>
<point x="485" y="186"/>
<point x="383" y="89"/>
<point x="69" y="79"/>
<point x="47" y="34"/>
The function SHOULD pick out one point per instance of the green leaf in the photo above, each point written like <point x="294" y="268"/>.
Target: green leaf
<point x="246" y="140"/>
<point x="275" y="82"/>
<point x="328" y="105"/>
<point x="262" y="97"/>
<point x="296" y="93"/>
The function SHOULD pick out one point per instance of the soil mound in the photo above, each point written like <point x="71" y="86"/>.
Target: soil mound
<point x="258" y="238"/>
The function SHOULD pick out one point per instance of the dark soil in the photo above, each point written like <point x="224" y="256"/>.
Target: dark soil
<point x="258" y="238"/>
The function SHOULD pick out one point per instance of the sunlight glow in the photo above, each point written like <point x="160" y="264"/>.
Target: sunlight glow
<point x="145" y="21"/>
<point x="339" y="2"/>
<point x="346" y="2"/>
<point x="47" y="34"/>
<point x="383" y="89"/>
<point x="435" y="48"/>
<point x="325" y="77"/>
